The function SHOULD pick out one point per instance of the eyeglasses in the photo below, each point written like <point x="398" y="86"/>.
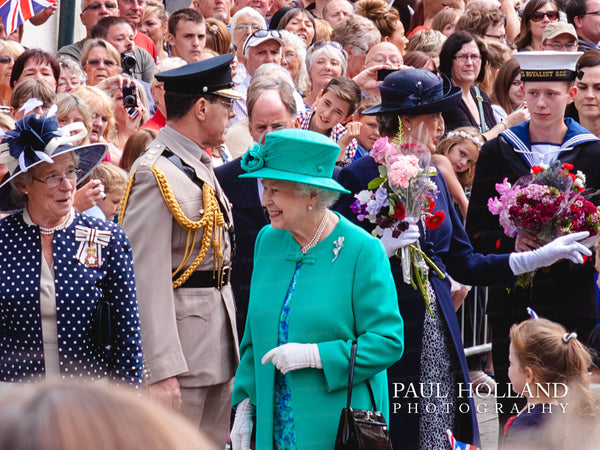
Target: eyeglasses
<point x="390" y="60"/>
<point x="6" y="59"/>
<point x="54" y="181"/>
<point x="134" y="2"/>
<point x="538" y="16"/>
<point x="96" y="6"/>
<point x="228" y="104"/>
<point x="360" y="48"/>
<point x="96" y="62"/>
<point x="569" y="46"/>
<point x="500" y="38"/>
<point x="465" y="58"/>
<point x="592" y="13"/>
<point x="245" y="27"/>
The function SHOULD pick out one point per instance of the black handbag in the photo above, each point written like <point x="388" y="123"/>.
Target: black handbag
<point x="101" y="326"/>
<point x="360" y="429"/>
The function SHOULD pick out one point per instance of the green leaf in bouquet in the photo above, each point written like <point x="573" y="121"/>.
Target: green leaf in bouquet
<point x="400" y="138"/>
<point x="374" y="184"/>
<point x="382" y="170"/>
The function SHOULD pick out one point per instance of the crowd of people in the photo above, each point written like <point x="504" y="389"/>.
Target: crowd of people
<point x="177" y="191"/>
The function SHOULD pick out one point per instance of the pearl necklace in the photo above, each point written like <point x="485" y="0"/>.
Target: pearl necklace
<point x="62" y="226"/>
<point x="317" y="237"/>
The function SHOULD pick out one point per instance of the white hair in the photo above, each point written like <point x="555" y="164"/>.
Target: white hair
<point x="247" y="11"/>
<point x="329" y="51"/>
<point x="292" y="39"/>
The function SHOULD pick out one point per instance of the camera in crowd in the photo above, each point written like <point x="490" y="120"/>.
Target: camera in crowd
<point x="128" y="62"/>
<point x="130" y="99"/>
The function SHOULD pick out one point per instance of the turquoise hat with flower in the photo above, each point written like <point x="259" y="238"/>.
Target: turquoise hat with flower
<point x="301" y="156"/>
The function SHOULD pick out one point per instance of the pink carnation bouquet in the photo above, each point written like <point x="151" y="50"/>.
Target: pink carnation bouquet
<point x="547" y="203"/>
<point x="403" y="193"/>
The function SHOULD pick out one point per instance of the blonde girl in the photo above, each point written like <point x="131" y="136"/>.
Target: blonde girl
<point x="550" y="367"/>
<point x="455" y="156"/>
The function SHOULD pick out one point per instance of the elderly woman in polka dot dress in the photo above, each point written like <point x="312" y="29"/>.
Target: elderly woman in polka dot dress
<point x="67" y="292"/>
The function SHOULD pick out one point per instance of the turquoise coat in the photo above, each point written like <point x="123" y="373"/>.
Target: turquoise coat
<point x="335" y="302"/>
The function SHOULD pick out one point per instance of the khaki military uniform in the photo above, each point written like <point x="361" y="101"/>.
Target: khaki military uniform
<point x="187" y="332"/>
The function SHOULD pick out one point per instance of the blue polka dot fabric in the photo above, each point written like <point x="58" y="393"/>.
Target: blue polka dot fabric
<point x="78" y="291"/>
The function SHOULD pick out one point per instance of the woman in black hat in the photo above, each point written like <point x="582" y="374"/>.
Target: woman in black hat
<point x="67" y="292"/>
<point x="429" y="386"/>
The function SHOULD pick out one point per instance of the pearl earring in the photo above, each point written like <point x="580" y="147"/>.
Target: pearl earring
<point x="309" y="208"/>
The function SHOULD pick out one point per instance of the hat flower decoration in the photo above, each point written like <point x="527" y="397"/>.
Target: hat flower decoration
<point x="254" y="158"/>
<point x="39" y="139"/>
<point x="34" y="140"/>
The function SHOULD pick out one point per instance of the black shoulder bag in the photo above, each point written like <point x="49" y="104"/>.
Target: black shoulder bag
<point x="360" y="429"/>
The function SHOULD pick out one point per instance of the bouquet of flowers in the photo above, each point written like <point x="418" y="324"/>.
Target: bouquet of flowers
<point x="403" y="194"/>
<point x="547" y="203"/>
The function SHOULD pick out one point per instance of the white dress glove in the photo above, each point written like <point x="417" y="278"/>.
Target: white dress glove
<point x="564" y="247"/>
<point x="407" y="237"/>
<point x="294" y="356"/>
<point x="241" y="431"/>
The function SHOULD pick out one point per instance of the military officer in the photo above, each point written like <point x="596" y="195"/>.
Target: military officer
<point x="179" y="224"/>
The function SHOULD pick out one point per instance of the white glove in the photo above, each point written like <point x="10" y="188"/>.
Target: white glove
<point x="407" y="237"/>
<point x="241" y="431"/>
<point x="564" y="247"/>
<point x="294" y="356"/>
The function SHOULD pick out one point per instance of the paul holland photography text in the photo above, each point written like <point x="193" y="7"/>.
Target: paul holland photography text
<point x="420" y="392"/>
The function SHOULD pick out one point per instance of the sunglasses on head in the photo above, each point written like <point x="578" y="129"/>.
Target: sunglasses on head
<point x="538" y="16"/>
<point x="322" y="44"/>
<point x="265" y="33"/>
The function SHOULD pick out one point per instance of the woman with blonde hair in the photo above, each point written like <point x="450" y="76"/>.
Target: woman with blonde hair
<point x="155" y="25"/>
<point x="386" y="19"/>
<point x="9" y="51"/>
<point x="100" y="60"/>
<point x="103" y="122"/>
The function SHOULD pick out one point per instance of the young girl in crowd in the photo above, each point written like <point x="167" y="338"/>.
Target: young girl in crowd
<point x="550" y="367"/>
<point x="455" y="156"/>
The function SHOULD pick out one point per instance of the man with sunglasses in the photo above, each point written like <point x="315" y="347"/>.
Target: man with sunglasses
<point x="585" y="17"/>
<point x="180" y="228"/>
<point x="91" y="12"/>
<point x="261" y="47"/>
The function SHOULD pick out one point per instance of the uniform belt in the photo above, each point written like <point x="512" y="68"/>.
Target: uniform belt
<point x="208" y="278"/>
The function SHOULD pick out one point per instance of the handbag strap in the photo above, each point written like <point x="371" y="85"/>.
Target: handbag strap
<point x="351" y="379"/>
<point x="479" y="98"/>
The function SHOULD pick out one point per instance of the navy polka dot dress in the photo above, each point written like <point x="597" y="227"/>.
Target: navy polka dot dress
<point x="78" y="291"/>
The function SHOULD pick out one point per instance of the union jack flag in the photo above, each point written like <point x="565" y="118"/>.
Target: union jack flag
<point x="15" y="12"/>
<point x="457" y="445"/>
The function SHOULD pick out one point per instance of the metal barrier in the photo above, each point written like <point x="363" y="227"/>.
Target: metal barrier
<point x="481" y="341"/>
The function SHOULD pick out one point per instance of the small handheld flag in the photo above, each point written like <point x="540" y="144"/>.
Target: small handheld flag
<point x="457" y="445"/>
<point x="15" y="12"/>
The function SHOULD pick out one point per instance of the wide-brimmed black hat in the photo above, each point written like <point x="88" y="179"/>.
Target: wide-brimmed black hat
<point x="37" y="139"/>
<point x="414" y="92"/>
